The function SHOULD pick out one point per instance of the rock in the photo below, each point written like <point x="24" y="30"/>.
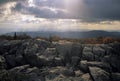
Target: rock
<point x="63" y="49"/>
<point x="86" y="77"/>
<point x="50" y="53"/>
<point x="83" y="66"/>
<point x="114" y="61"/>
<point x="87" y="53"/>
<point x="10" y="59"/>
<point x="115" y="76"/>
<point x="23" y="73"/>
<point x="68" y="72"/>
<point x="109" y="50"/>
<point x="7" y="46"/>
<point x="58" y="61"/>
<point x="31" y="57"/>
<point x="76" y="50"/>
<point x="63" y="78"/>
<point x="51" y="76"/>
<point x="2" y="62"/>
<point x="19" y="59"/>
<point x="106" y="59"/>
<point x="99" y="53"/>
<point x="78" y="73"/>
<point x="33" y="60"/>
<point x="67" y="59"/>
<point x="88" y="49"/>
<point x="89" y="56"/>
<point x="101" y="65"/>
<point x="75" y="61"/>
<point x="99" y="74"/>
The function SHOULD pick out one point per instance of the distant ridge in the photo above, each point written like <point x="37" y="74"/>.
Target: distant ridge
<point x="71" y="34"/>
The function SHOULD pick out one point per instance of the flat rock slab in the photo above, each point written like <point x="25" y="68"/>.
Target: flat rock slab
<point x="115" y="76"/>
<point x="99" y="74"/>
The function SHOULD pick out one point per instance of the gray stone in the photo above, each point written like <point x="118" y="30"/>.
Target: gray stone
<point x="2" y="62"/>
<point x="23" y="73"/>
<point x="10" y="59"/>
<point x="115" y="76"/>
<point x="86" y="77"/>
<point x="114" y="61"/>
<point x="50" y="52"/>
<point x="99" y="53"/>
<point x="102" y="65"/>
<point x="83" y="66"/>
<point x="76" y="50"/>
<point x="99" y="74"/>
<point x="75" y="61"/>
<point x="89" y="56"/>
<point x="78" y="73"/>
<point x="68" y="72"/>
<point x="87" y="49"/>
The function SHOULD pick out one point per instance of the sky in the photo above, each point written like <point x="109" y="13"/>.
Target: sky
<point x="59" y="15"/>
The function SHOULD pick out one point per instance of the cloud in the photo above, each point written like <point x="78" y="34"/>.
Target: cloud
<point x="85" y="10"/>
<point x="40" y="12"/>
<point x="101" y="10"/>
<point x="6" y="1"/>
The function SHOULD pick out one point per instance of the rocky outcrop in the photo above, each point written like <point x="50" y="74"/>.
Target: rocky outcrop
<point x="99" y="74"/>
<point x="39" y="60"/>
<point x="2" y="62"/>
<point x="115" y="76"/>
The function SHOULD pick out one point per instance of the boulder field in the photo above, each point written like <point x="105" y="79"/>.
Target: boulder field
<point x="39" y="60"/>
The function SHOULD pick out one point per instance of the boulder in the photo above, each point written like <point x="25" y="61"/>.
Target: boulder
<point x="76" y="50"/>
<point x="102" y="65"/>
<point x="22" y="73"/>
<point x="68" y="72"/>
<point x="51" y="76"/>
<point x="114" y="61"/>
<point x="33" y="60"/>
<point x="75" y="61"/>
<point x="30" y="55"/>
<point x="115" y="76"/>
<point x="78" y="73"/>
<point x="67" y="59"/>
<point x="63" y="78"/>
<point x="8" y="46"/>
<point x="89" y="56"/>
<point x="10" y="59"/>
<point x="50" y="53"/>
<point x="88" y="48"/>
<point x="58" y="61"/>
<point x="2" y="62"/>
<point x="83" y="66"/>
<point x="86" y="77"/>
<point x="99" y="53"/>
<point x="99" y="74"/>
<point x="63" y="49"/>
<point x="20" y="59"/>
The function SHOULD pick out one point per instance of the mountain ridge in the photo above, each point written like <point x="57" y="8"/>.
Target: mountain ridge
<point x="71" y="34"/>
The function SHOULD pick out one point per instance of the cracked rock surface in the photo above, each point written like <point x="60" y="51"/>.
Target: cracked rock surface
<point x="39" y="60"/>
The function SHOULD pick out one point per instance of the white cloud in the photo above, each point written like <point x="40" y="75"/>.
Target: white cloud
<point x="59" y="15"/>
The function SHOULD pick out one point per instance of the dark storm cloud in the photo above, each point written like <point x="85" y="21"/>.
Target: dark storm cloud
<point x="86" y="10"/>
<point x="6" y="1"/>
<point x="50" y="3"/>
<point x="40" y="12"/>
<point x="101" y="9"/>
